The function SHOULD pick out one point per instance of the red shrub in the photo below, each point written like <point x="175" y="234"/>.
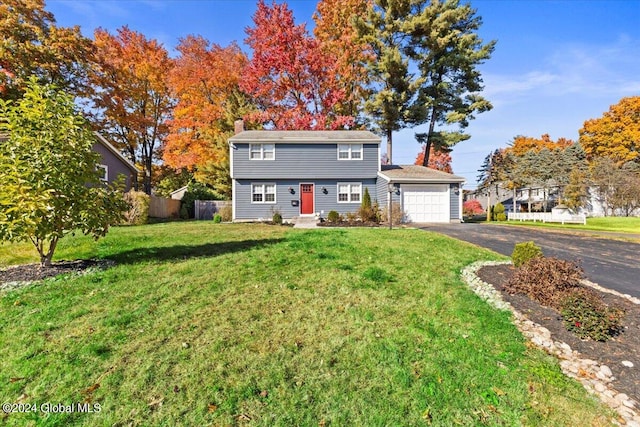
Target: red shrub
<point x="472" y="207"/>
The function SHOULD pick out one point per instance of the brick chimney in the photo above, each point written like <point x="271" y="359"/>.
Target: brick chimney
<point x="239" y="126"/>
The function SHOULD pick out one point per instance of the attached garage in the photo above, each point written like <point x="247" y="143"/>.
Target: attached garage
<point x="425" y="195"/>
<point x="426" y="203"/>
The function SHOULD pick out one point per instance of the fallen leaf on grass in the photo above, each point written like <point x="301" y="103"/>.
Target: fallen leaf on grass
<point x="16" y="379"/>
<point x="212" y="407"/>
<point x="264" y="393"/>
<point x="499" y="392"/>
<point x="91" y="389"/>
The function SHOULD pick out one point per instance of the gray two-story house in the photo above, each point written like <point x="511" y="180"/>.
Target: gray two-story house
<point x="309" y="173"/>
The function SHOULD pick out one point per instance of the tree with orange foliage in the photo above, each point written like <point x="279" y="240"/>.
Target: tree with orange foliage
<point x="32" y="44"/>
<point x="616" y="134"/>
<point x="130" y="97"/>
<point x="439" y="160"/>
<point x="337" y="34"/>
<point x="205" y="82"/>
<point x="522" y="144"/>
<point x="289" y="76"/>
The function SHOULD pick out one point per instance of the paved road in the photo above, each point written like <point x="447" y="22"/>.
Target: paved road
<point x="613" y="264"/>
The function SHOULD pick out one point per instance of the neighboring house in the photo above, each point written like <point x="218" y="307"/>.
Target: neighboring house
<point x="113" y="163"/>
<point x="179" y="193"/>
<point x="309" y="173"/>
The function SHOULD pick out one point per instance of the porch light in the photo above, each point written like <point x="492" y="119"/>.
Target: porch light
<point x="291" y="190"/>
<point x="324" y="190"/>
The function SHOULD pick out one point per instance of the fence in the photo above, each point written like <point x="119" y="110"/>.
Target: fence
<point x="205" y="209"/>
<point x="160" y="207"/>
<point x="547" y="217"/>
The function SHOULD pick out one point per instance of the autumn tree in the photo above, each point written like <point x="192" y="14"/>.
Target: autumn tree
<point x="522" y="144"/>
<point x="439" y="39"/>
<point x="50" y="183"/>
<point x="289" y="76"/>
<point x="338" y="38"/>
<point x="131" y="101"/>
<point x="617" y="187"/>
<point x="205" y="82"/>
<point x="439" y="160"/>
<point x="32" y="44"/>
<point x="616" y="134"/>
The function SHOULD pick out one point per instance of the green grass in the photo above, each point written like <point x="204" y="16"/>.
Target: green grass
<point x="208" y="324"/>
<point x="611" y="224"/>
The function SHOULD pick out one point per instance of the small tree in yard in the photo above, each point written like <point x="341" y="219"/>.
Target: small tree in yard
<point x="50" y="185"/>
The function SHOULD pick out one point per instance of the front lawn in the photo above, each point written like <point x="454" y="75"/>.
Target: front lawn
<point x="208" y="324"/>
<point x="614" y="224"/>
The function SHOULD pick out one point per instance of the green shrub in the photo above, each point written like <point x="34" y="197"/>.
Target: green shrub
<point x="226" y="212"/>
<point x="196" y="191"/>
<point x="184" y="212"/>
<point x="333" y="216"/>
<point x="586" y="315"/>
<point x="523" y="252"/>
<point x="366" y="199"/>
<point x="217" y="218"/>
<point x="138" y="212"/>
<point x="546" y="280"/>
<point x="277" y="218"/>
<point x="498" y="212"/>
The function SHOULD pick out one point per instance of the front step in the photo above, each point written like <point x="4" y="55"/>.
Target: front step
<point x="304" y="222"/>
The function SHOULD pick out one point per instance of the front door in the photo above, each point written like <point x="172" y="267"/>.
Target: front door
<point x="306" y="199"/>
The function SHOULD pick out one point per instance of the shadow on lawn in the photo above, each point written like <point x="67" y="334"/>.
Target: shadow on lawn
<point x="183" y="252"/>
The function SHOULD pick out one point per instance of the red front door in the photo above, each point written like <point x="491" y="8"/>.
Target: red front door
<point x="306" y="199"/>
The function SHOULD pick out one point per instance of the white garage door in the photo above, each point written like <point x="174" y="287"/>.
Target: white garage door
<point x="426" y="203"/>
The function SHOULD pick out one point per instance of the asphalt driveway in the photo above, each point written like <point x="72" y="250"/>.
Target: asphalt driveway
<point x="610" y="263"/>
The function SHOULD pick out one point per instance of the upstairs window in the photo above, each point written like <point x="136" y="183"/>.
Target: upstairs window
<point x="262" y="151"/>
<point x="103" y="172"/>
<point x="349" y="151"/>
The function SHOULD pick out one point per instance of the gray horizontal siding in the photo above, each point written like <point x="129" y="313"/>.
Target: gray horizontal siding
<point x="245" y="210"/>
<point x="114" y="165"/>
<point x="382" y="192"/>
<point x="304" y="161"/>
<point x="454" y="202"/>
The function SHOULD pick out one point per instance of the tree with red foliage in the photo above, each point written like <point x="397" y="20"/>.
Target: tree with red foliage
<point x="472" y="207"/>
<point x="438" y="160"/>
<point x="289" y="75"/>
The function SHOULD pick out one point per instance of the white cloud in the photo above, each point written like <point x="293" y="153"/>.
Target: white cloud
<point x="572" y="70"/>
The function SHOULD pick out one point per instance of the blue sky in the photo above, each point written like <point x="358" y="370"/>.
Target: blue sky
<point x="556" y="63"/>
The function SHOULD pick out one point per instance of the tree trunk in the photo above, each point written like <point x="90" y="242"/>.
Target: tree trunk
<point x="389" y="145"/>
<point x="427" y="148"/>
<point x="45" y="258"/>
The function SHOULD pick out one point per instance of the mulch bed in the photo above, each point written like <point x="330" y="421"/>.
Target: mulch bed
<point x="32" y="272"/>
<point x="624" y="347"/>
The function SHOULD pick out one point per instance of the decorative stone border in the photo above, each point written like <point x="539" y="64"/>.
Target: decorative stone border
<point x="596" y="378"/>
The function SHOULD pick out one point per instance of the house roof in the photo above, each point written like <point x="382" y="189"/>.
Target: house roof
<point x="306" y="136"/>
<point x="115" y="152"/>
<point x="415" y="173"/>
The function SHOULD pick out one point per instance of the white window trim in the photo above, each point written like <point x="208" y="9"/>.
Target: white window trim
<point x="105" y="175"/>
<point x="264" y="193"/>
<point x="262" y="151"/>
<point x="359" y="148"/>
<point x="349" y="184"/>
